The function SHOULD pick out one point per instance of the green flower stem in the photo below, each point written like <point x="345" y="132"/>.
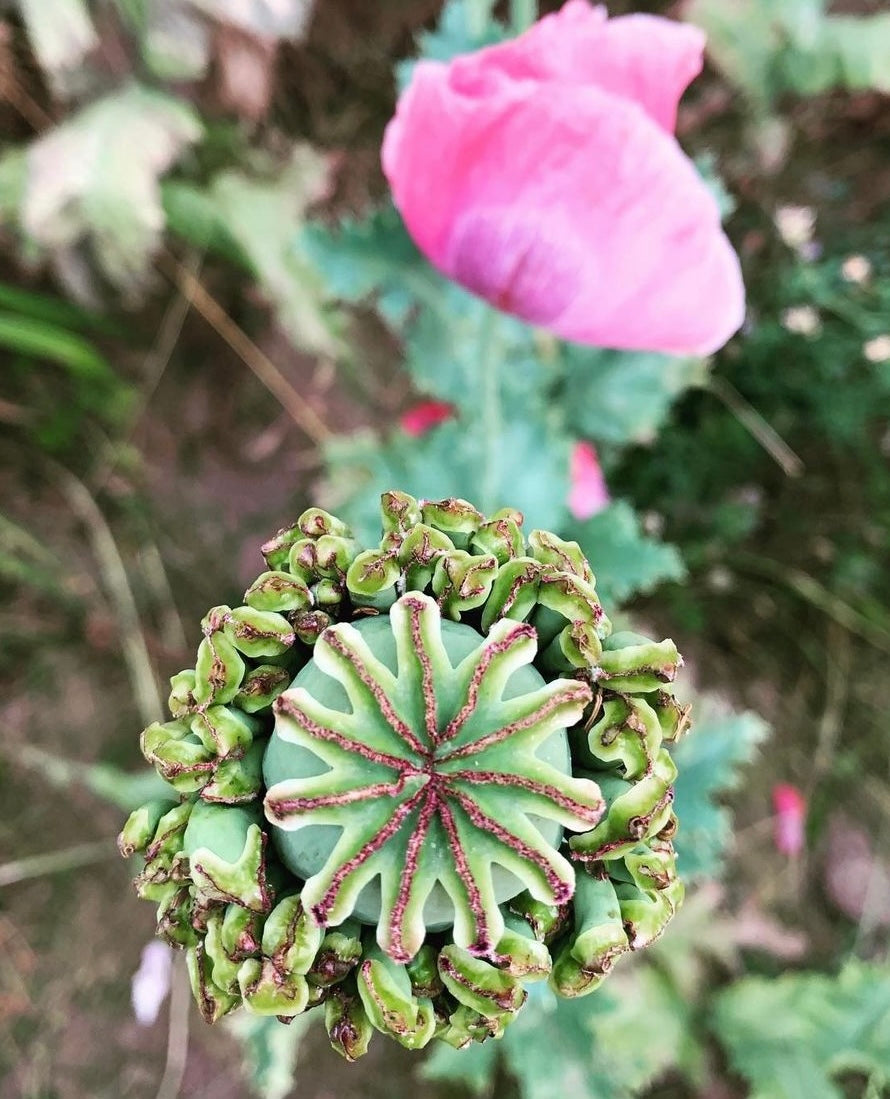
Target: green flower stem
<point x="490" y="360"/>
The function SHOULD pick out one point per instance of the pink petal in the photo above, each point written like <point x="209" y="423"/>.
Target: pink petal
<point x="424" y="416"/>
<point x="642" y="58"/>
<point x="151" y="982"/>
<point x="588" y="493"/>
<point x="791" y="811"/>
<point x="566" y="206"/>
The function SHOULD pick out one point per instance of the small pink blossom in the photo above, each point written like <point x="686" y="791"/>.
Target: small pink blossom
<point x="422" y="417"/>
<point x="588" y="493"/>
<point x="543" y="175"/>
<point x="791" y="813"/>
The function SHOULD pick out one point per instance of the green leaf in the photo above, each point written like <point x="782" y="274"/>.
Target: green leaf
<point x="531" y="471"/>
<point x="624" y="396"/>
<point x="271" y="1049"/>
<point x="464" y="26"/>
<point x="38" y="339"/>
<point x="263" y="216"/>
<point x="56" y="311"/>
<point x="94" y="179"/>
<point x="624" y="560"/>
<point x="709" y="760"/>
<point x="792" y="1036"/>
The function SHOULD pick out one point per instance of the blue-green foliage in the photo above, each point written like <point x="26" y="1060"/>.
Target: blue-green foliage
<point x="710" y="761"/>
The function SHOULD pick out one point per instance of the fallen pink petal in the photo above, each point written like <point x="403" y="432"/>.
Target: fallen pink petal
<point x="151" y="982"/>
<point x="588" y="493"/>
<point x="790" y="819"/>
<point x="555" y="190"/>
<point x="423" y="417"/>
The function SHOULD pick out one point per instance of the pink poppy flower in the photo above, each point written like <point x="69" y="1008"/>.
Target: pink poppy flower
<point x="588" y="493"/>
<point x="425" y="415"/>
<point x="791" y="814"/>
<point x="542" y="174"/>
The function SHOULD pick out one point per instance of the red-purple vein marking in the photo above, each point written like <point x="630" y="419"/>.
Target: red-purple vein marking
<point x="483" y="942"/>
<point x="290" y="709"/>
<point x="562" y="890"/>
<point x="587" y="813"/>
<point x="321" y="910"/>
<point x="430" y="716"/>
<point x="496" y="648"/>
<point x="577" y="692"/>
<point x="282" y="807"/>
<point x="335" y="642"/>
<point x="396" y="927"/>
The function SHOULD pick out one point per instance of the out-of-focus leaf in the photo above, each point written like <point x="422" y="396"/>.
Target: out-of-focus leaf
<point x="94" y="180"/>
<point x="271" y="1050"/>
<point x="39" y="339"/>
<point x="193" y="214"/>
<point x="125" y="789"/>
<point x="175" y="40"/>
<point x="792" y="1036"/>
<point x="61" y="34"/>
<point x="624" y="396"/>
<point x="531" y="471"/>
<point x="709" y="760"/>
<point x="54" y="310"/>
<point x="263" y="217"/>
<point x="13" y="181"/>
<point x="265" y="18"/>
<point x="624" y="560"/>
<point x="464" y="26"/>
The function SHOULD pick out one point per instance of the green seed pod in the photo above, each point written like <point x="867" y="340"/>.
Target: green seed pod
<point x="347" y="1023"/>
<point x="416" y="777"/>
<point x="278" y="591"/>
<point x="390" y="1004"/>
<point x="596" y="940"/>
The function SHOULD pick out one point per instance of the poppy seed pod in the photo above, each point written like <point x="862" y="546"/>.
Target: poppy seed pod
<point x="407" y="780"/>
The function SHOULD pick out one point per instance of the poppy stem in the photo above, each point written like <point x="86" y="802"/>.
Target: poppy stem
<point x="490" y="360"/>
<point x="522" y="14"/>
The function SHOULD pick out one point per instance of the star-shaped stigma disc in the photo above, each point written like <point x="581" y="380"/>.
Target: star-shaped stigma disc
<point x="445" y="779"/>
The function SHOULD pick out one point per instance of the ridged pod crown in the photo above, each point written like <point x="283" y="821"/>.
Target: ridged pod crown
<point x="405" y="780"/>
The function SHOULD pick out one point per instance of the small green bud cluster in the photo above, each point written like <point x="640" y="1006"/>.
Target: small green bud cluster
<point x="490" y="708"/>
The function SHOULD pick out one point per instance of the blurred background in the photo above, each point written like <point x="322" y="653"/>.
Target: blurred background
<point x="210" y="317"/>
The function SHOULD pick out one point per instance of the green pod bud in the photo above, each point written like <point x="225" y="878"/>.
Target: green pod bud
<point x="278" y="591"/>
<point x="223" y="969"/>
<point x="169" y="834"/>
<point x="456" y="518"/>
<point x="560" y="555"/>
<point x="316" y="523"/>
<point x="327" y="556"/>
<point x="513" y="593"/>
<point x="400" y="512"/>
<point x="419" y="554"/>
<point x="646" y="915"/>
<point x="141" y="826"/>
<point x="240" y="932"/>
<point x="637" y="812"/>
<point x="519" y="953"/>
<point x="347" y="1024"/>
<point x="545" y="920"/>
<point x="501" y="538"/>
<point x="327" y="594"/>
<point x="464" y="1026"/>
<point x="222" y="730"/>
<point x="213" y="1002"/>
<point x="268" y="991"/>
<point x="219" y="669"/>
<point x="371" y="578"/>
<point x="570" y="599"/>
<point x="462" y="581"/>
<point x="478" y="984"/>
<point x="291" y="938"/>
<point x="261" y="686"/>
<point x="576" y="646"/>
<point x="237" y="780"/>
<point x="596" y="940"/>
<point x="631" y="664"/>
<point x="310" y="625"/>
<point x="390" y="1004"/>
<point x="423" y="973"/>
<point x="226" y="849"/>
<point x="652" y="866"/>
<point x="174" y="915"/>
<point x="277" y="550"/>
<point x="673" y="718"/>
<point x="628" y="732"/>
<point x="338" y="955"/>
<point x="182" y="693"/>
<point x="178" y="755"/>
<point x="259" y="633"/>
